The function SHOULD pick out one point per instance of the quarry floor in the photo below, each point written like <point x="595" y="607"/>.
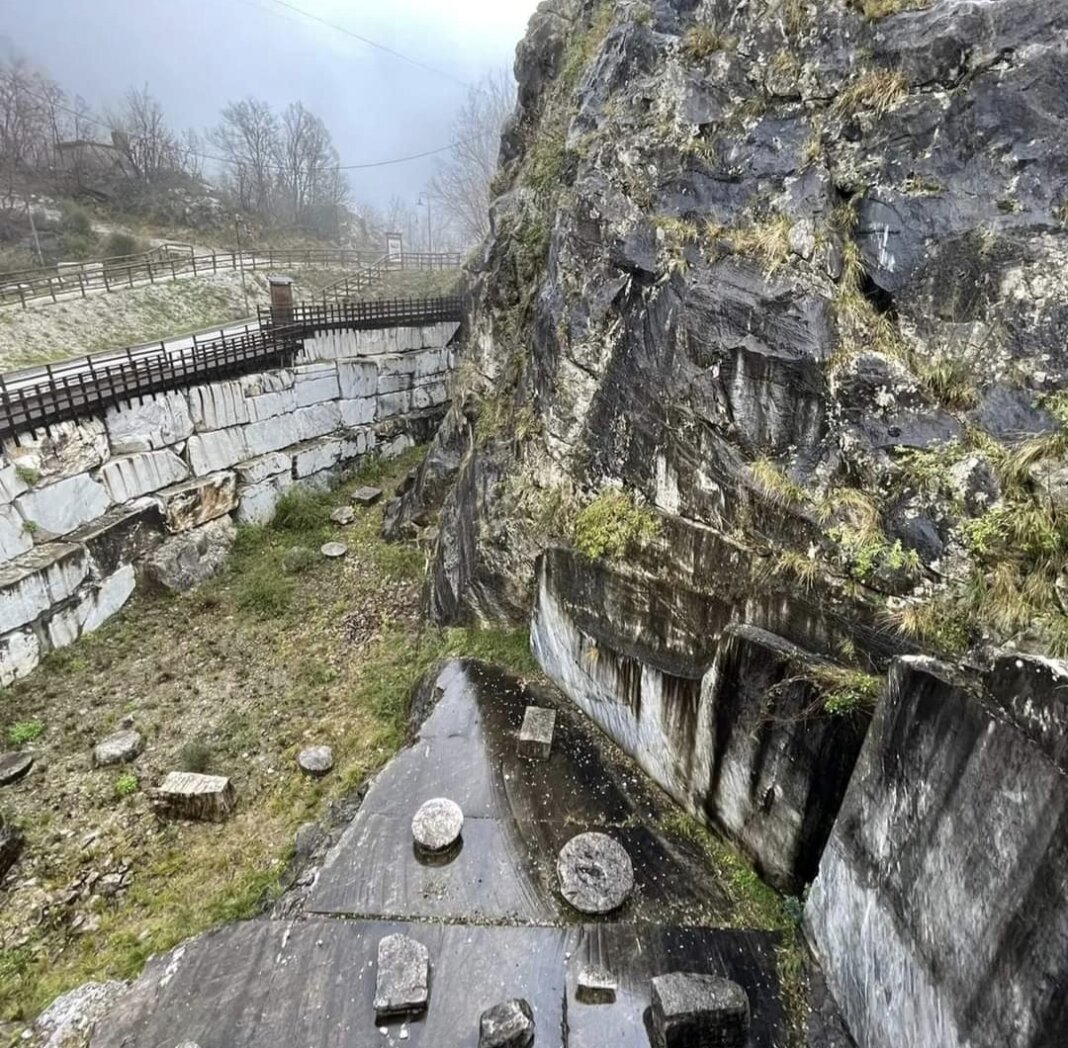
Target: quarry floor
<point x="286" y="650"/>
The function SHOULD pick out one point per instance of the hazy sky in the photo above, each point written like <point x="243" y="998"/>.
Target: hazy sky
<point x="195" y="55"/>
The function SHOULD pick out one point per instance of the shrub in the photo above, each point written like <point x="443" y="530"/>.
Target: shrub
<point x="24" y="731"/>
<point x="300" y="513"/>
<point x="613" y="525"/>
<point x="299" y="559"/>
<point x="195" y="756"/>
<point x="76" y="221"/>
<point x="118" y="245"/>
<point x="126" y="785"/>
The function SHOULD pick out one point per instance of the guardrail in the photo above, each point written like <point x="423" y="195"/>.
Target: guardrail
<point x="353" y="285"/>
<point x="41" y="397"/>
<point x="307" y="318"/>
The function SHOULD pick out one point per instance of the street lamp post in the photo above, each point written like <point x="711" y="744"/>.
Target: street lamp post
<point x="424" y="201"/>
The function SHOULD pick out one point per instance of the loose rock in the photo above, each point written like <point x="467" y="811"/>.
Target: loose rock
<point x="13" y="766"/>
<point x="596" y="985"/>
<point x="187" y="795"/>
<point x="507" y="1025"/>
<point x="366" y="496"/>
<point x="119" y="748"/>
<point x="402" y="986"/>
<point x="11" y="842"/>
<point x="316" y="760"/>
<point x="695" y="1009"/>
<point x="343" y="516"/>
<point x="334" y="550"/>
<point x="437" y="825"/>
<point x="596" y="874"/>
<point x="536" y="734"/>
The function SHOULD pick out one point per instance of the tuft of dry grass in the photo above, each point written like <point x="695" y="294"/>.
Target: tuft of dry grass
<point x="876" y="9"/>
<point x="880" y="91"/>
<point x="700" y="42"/>
<point x="767" y="240"/>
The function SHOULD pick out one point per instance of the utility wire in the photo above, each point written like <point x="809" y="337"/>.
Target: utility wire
<point x="363" y="40"/>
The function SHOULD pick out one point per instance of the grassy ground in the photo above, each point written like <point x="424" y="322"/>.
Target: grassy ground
<point x="48" y="331"/>
<point x="416" y="283"/>
<point x="283" y="651"/>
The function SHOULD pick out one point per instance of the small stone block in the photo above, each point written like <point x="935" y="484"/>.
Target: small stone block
<point x="507" y="1025"/>
<point x="119" y="748"/>
<point x="596" y="874"/>
<point x="366" y="496"/>
<point x="402" y="984"/>
<point x="437" y="825"/>
<point x="596" y="985"/>
<point x="334" y="550"/>
<point x="343" y="516"/>
<point x="536" y="734"/>
<point x="187" y="795"/>
<point x="13" y="766"/>
<point x="691" y="1010"/>
<point x="316" y="760"/>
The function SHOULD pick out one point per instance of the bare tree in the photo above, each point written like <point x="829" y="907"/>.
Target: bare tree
<point x="247" y="137"/>
<point x="24" y="112"/>
<point x="307" y="161"/>
<point x="461" y="183"/>
<point x="150" y="144"/>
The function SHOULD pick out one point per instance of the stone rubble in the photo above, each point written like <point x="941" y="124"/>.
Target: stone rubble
<point x="343" y="516"/>
<point x="507" y="1025"/>
<point x="691" y="1009"/>
<point x="119" y="748"/>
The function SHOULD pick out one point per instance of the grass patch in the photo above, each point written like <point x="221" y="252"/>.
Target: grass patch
<point x="876" y="9"/>
<point x="879" y="91"/>
<point x="612" y="526"/>
<point x="22" y="732"/>
<point x="701" y="42"/>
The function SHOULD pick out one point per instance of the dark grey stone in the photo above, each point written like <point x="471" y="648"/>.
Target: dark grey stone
<point x="366" y="496"/>
<point x="596" y="874"/>
<point x="119" y="748"/>
<point x="536" y="733"/>
<point x="694" y="1010"/>
<point x="316" y="760"/>
<point x="13" y="766"/>
<point x="402" y="982"/>
<point x="437" y="825"/>
<point x="11" y="842"/>
<point x="506" y="1025"/>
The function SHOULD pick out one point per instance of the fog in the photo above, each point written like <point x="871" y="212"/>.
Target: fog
<point x="195" y="55"/>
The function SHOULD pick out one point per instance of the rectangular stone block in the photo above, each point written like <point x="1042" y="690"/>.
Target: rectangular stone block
<point x="63" y="450"/>
<point x="15" y="538"/>
<point x="257" y="470"/>
<point x="257" y="502"/>
<point x="316" y="456"/>
<point x="357" y="379"/>
<point x="357" y="443"/>
<point x="131" y="476"/>
<point x="394" y="382"/>
<point x="402" y="977"/>
<point x="219" y="449"/>
<point x="186" y="795"/>
<point x="272" y="434"/>
<point x="35" y="581"/>
<point x="156" y="422"/>
<point x="358" y="412"/>
<point x="218" y="406"/>
<point x="60" y="508"/>
<point x="123" y="535"/>
<point x="317" y="420"/>
<point x="536" y="733"/>
<point x="20" y="654"/>
<point x="316" y="383"/>
<point x="429" y="396"/>
<point x="196" y="502"/>
<point x="691" y="1009"/>
<point x="392" y="404"/>
<point x="264" y="382"/>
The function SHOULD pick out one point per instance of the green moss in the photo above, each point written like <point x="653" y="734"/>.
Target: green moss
<point x="613" y="525"/>
<point x="847" y="691"/>
<point x="27" y="475"/>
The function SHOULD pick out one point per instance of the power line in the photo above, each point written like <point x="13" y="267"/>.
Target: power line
<point x="364" y="40"/>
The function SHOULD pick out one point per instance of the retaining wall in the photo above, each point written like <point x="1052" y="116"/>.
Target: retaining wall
<point x="86" y="507"/>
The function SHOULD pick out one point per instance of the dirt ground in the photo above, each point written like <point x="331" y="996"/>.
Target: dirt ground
<point x="285" y="650"/>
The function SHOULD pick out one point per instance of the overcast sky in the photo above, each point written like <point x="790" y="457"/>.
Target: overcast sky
<point x="195" y="55"/>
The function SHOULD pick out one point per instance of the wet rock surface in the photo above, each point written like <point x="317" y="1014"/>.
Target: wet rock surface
<point x="14" y="766"/>
<point x="596" y="874"/>
<point x="507" y="1025"/>
<point x="691" y="1010"/>
<point x="240" y="983"/>
<point x="119" y="748"/>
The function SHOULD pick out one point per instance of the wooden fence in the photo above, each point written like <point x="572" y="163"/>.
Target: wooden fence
<point x="79" y="279"/>
<point x="87" y="386"/>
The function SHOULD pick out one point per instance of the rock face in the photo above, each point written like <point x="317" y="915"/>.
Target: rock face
<point x="119" y="748"/>
<point x="507" y="1025"/>
<point x="939" y="913"/>
<point x="193" y="557"/>
<point x="596" y="874"/>
<point x="691" y="1009"/>
<point x="402" y="985"/>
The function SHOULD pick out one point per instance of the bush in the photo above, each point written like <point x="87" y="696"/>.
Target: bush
<point x="118" y="245"/>
<point x="24" y="731"/>
<point x="613" y="525"/>
<point x="300" y="513"/>
<point x="76" y="221"/>
<point x="195" y="756"/>
<point x="299" y="559"/>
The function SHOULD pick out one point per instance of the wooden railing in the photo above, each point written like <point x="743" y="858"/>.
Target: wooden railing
<point x="353" y="285"/>
<point x="87" y="386"/>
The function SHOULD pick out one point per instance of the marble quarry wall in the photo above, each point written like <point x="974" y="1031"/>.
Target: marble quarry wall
<point x="152" y="490"/>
